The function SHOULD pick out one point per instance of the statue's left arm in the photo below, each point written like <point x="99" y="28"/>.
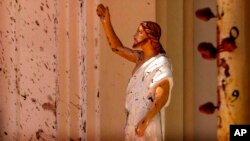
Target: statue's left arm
<point x="161" y="97"/>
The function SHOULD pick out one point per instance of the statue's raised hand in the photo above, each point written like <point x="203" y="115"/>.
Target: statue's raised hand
<point x="103" y="13"/>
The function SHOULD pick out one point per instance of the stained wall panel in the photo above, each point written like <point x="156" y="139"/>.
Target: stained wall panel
<point x="33" y="66"/>
<point x="8" y="76"/>
<point x="233" y="90"/>
<point x="42" y="70"/>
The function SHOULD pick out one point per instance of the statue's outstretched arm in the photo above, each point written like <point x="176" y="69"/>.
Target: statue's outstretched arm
<point x="113" y="40"/>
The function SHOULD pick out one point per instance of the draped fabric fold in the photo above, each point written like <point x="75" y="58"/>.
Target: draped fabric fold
<point x="140" y="97"/>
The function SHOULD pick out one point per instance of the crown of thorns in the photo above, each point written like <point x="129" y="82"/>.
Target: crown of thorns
<point x="152" y="30"/>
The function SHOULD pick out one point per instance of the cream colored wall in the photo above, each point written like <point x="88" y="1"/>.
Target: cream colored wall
<point x="188" y="79"/>
<point x="205" y="75"/>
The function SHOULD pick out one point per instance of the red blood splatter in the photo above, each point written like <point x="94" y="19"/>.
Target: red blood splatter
<point x="207" y="50"/>
<point x="228" y="44"/>
<point x="38" y="134"/>
<point x="224" y="65"/>
<point x="207" y="108"/>
<point x="204" y="14"/>
<point x="50" y="107"/>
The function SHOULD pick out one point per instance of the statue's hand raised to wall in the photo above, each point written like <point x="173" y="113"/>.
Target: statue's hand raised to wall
<point x="103" y="13"/>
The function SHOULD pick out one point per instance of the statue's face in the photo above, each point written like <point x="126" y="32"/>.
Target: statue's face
<point x="140" y="37"/>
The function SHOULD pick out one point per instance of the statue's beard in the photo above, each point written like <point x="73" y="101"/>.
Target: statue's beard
<point x="140" y="43"/>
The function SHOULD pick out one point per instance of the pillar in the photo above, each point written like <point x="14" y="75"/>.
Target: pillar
<point x="231" y="54"/>
<point x="233" y="90"/>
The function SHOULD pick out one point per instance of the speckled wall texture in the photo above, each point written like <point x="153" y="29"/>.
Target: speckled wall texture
<point x="42" y="70"/>
<point x="59" y="80"/>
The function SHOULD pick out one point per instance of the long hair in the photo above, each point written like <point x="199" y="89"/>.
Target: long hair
<point x="153" y="31"/>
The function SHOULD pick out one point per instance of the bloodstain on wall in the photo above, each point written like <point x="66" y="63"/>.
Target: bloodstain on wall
<point x="49" y="107"/>
<point x="30" y="55"/>
<point x="28" y="70"/>
<point x="210" y="52"/>
<point x="232" y="93"/>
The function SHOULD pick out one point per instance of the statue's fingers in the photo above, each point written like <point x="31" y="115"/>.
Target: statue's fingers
<point x="101" y="6"/>
<point x="99" y="12"/>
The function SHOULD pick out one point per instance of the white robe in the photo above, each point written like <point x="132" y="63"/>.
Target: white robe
<point x="140" y="97"/>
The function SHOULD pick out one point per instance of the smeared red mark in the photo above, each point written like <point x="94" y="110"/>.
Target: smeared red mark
<point x="38" y="134"/>
<point x="151" y="99"/>
<point x="218" y="97"/>
<point x="41" y="7"/>
<point x="98" y="94"/>
<point x="228" y="44"/>
<point x="207" y="108"/>
<point x="50" y="107"/>
<point x="24" y="97"/>
<point x="47" y="5"/>
<point x="224" y="65"/>
<point x="84" y="127"/>
<point x="207" y="50"/>
<point x="13" y="19"/>
<point x="223" y="85"/>
<point x="204" y="14"/>
<point x="37" y="23"/>
<point x="219" y="122"/>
